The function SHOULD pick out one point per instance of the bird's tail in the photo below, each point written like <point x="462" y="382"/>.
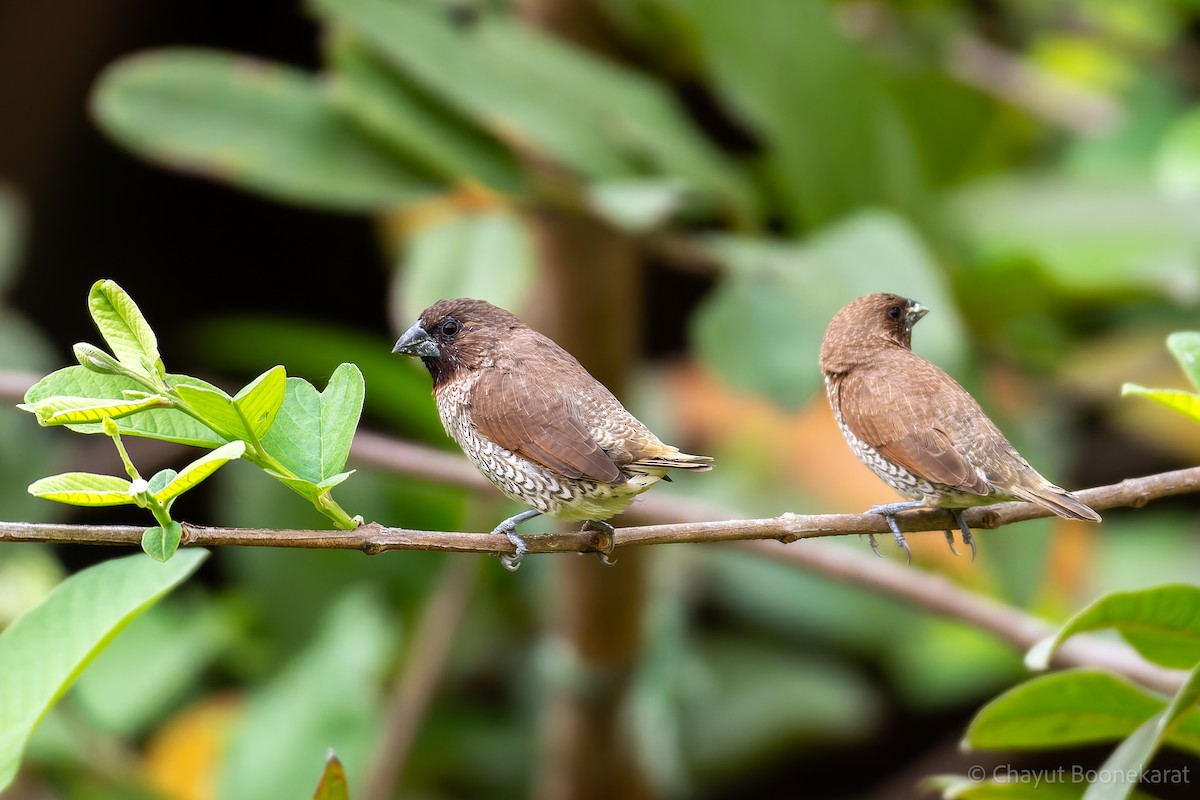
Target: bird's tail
<point x="677" y="460"/>
<point x="1056" y="499"/>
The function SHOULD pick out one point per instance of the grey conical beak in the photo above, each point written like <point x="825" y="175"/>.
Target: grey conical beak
<point x="915" y="312"/>
<point x="416" y="341"/>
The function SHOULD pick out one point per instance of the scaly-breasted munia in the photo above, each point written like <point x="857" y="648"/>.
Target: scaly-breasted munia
<point x="916" y="427"/>
<point x="533" y="420"/>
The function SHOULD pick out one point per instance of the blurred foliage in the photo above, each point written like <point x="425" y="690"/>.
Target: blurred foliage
<point x="1028" y="170"/>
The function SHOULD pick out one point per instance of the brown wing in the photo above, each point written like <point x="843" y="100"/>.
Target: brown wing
<point x="532" y="419"/>
<point x="901" y="423"/>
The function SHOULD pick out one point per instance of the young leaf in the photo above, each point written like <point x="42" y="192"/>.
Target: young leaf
<point x="61" y="410"/>
<point x="260" y="400"/>
<point x="333" y="781"/>
<point x="168" y="424"/>
<point x="312" y="433"/>
<point x="95" y="359"/>
<point x="160" y="543"/>
<point x="1162" y="623"/>
<point x="124" y="328"/>
<point x="1076" y="707"/>
<point x="198" y="470"/>
<point x="84" y="612"/>
<point x="1185" y="403"/>
<point x="83" y="489"/>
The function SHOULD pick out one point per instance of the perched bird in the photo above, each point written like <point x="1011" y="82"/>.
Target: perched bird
<point x="532" y="419"/>
<point x="916" y="427"/>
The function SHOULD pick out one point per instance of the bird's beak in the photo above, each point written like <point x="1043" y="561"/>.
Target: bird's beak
<point x="915" y="312"/>
<point x="416" y="341"/>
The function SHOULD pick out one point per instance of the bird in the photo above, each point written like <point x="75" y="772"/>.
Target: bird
<point x="534" y="421"/>
<point x="917" y="428"/>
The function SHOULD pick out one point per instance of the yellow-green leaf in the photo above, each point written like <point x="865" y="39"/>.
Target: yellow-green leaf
<point x="124" y="328"/>
<point x="1185" y="403"/>
<point x="64" y="410"/>
<point x="83" y="489"/>
<point x="260" y="400"/>
<point x="200" y="469"/>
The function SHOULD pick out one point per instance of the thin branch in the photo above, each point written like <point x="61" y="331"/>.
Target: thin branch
<point x="373" y="538"/>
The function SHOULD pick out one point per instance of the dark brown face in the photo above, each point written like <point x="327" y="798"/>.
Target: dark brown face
<point x="867" y="324"/>
<point x="456" y="335"/>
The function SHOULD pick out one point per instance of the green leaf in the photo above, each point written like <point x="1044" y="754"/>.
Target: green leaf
<point x="777" y="298"/>
<point x="198" y="470"/>
<point x="836" y="141"/>
<point x="159" y="480"/>
<point x="1076" y="707"/>
<point x="1177" y="162"/>
<point x="83" y="489"/>
<point x="122" y="325"/>
<point x="161" y="542"/>
<point x="487" y="255"/>
<point x="60" y="410"/>
<point x="261" y="126"/>
<point x="44" y="650"/>
<point x="1185" y="403"/>
<point x="295" y="718"/>
<point x="95" y="359"/>
<point x="333" y="781"/>
<point x="167" y="424"/>
<point x="368" y="91"/>
<point x="538" y="94"/>
<point x="1162" y="623"/>
<point x="313" y="431"/>
<point x="1123" y="769"/>
<point x="247" y="416"/>
<point x="1185" y="346"/>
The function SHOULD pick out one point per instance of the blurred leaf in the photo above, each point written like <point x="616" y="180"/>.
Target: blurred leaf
<point x="42" y="652"/>
<point x="537" y="93"/>
<point x="380" y="99"/>
<point x="1162" y="623"/>
<point x="83" y="489"/>
<point x="333" y="781"/>
<point x="167" y="424"/>
<point x="486" y="255"/>
<point x="261" y="126"/>
<point x="1133" y="755"/>
<point x="637" y="206"/>
<point x="1090" y="235"/>
<point x="970" y="663"/>
<point x="1177" y="162"/>
<point x="1185" y="346"/>
<point x="155" y="662"/>
<point x="757" y="699"/>
<point x="313" y="431"/>
<point x="1066" y="709"/>
<point x="12" y="230"/>
<point x="829" y="150"/>
<point x="777" y="298"/>
<point x="328" y="696"/>
<point x="123" y="327"/>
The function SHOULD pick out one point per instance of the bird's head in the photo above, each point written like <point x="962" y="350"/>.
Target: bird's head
<point x="456" y="335"/>
<point x="865" y="326"/>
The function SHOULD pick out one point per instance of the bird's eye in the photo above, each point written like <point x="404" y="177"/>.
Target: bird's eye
<point x="895" y="312"/>
<point x="450" y="327"/>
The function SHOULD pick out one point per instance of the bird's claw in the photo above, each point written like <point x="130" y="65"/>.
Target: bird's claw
<point x="512" y="563"/>
<point x="950" y="540"/>
<point x="874" y="544"/>
<point x="888" y="511"/>
<point x="605" y="540"/>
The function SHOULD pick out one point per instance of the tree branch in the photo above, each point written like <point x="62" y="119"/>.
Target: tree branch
<point x="373" y="538"/>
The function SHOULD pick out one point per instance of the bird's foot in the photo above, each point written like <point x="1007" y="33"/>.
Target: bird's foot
<point x="950" y="540"/>
<point x="967" y="538"/>
<point x="889" y="511"/>
<point x="512" y="563"/>
<point x="605" y="541"/>
<point x="874" y="544"/>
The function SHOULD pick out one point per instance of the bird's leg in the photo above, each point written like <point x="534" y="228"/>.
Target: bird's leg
<point x="950" y="540"/>
<point x="606" y="541"/>
<point x="967" y="538"/>
<point x="889" y="511"/>
<point x="509" y="528"/>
